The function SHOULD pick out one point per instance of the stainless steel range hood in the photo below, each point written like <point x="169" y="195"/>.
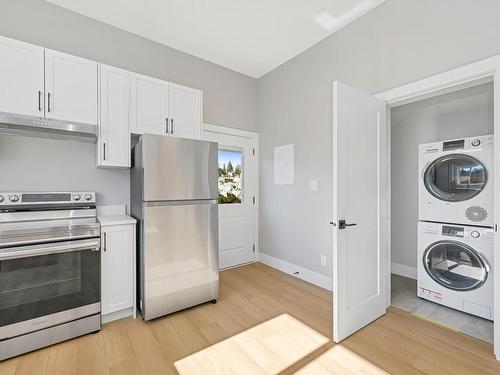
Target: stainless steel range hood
<point x="43" y="128"/>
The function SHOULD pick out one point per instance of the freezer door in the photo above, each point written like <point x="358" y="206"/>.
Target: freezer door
<point x="178" y="169"/>
<point x="179" y="257"/>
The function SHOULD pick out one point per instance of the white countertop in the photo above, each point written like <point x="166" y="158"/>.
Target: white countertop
<point x="113" y="215"/>
<point x="121" y="219"/>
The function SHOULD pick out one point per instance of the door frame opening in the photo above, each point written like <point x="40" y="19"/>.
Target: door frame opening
<point x="470" y="75"/>
<point x="254" y="165"/>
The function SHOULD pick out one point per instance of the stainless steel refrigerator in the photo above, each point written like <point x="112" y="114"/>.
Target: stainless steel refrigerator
<point x="174" y="198"/>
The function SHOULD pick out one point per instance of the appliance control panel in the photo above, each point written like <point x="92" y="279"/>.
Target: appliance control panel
<point x="456" y="232"/>
<point x="464" y="144"/>
<point x="45" y="198"/>
<point x="470" y="233"/>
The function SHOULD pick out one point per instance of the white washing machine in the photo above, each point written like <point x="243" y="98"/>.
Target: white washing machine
<point x="456" y="181"/>
<point x="454" y="267"/>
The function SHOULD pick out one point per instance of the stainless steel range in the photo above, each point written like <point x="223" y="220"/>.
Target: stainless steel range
<point x="49" y="269"/>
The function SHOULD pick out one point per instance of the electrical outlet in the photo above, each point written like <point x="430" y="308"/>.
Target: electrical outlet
<point x="323" y="260"/>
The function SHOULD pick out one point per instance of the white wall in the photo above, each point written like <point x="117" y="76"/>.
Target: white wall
<point x="230" y="98"/>
<point x="398" y="42"/>
<point x="465" y="113"/>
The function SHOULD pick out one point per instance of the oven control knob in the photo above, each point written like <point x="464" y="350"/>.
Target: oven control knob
<point x="1" y="198"/>
<point x="77" y="197"/>
<point x="475" y="142"/>
<point x="87" y="197"/>
<point x="14" y="198"/>
<point x="474" y="234"/>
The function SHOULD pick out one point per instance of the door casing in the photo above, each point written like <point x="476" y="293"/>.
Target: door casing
<point x="255" y="138"/>
<point x="474" y="74"/>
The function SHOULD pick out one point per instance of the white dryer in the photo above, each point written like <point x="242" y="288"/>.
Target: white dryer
<point x="456" y="181"/>
<point x="454" y="267"/>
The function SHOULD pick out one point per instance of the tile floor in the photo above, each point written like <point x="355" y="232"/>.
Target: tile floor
<point x="404" y="296"/>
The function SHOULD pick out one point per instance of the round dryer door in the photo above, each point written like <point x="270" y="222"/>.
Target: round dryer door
<point x="455" y="265"/>
<point x="455" y="178"/>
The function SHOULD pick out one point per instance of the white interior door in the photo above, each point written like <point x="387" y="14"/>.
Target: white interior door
<point x="359" y="195"/>
<point x="237" y="198"/>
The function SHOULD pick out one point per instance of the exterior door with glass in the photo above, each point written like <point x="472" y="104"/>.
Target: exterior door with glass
<point x="237" y="190"/>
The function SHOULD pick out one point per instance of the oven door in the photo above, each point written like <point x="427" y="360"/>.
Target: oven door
<point x="45" y="285"/>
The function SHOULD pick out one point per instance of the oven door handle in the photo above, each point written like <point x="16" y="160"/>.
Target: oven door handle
<point x="50" y="248"/>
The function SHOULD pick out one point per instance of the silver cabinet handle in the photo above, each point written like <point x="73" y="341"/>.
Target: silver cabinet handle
<point x="39" y="101"/>
<point x="105" y="242"/>
<point x="172" y="127"/>
<point x="166" y="125"/>
<point x="48" y="102"/>
<point x="104" y="150"/>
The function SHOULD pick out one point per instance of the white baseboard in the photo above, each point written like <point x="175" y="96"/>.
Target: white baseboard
<point x="305" y="274"/>
<point x="117" y="315"/>
<point x="404" y="270"/>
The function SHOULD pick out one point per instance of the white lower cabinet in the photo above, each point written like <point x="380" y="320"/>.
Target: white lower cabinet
<point x="117" y="271"/>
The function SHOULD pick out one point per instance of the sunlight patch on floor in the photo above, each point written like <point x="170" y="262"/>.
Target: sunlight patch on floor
<point x="339" y="360"/>
<point x="267" y="348"/>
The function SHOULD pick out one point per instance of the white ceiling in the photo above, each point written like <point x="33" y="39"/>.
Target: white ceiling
<point x="250" y="36"/>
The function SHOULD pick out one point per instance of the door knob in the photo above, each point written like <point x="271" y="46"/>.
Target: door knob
<point x="343" y="224"/>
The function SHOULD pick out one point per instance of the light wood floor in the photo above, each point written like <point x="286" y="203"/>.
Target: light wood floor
<point x="397" y="343"/>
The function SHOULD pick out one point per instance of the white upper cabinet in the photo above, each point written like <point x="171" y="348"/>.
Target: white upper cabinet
<point x="185" y="110"/>
<point x="113" y="148"/>
<point x="160" y="107"/>
<point x="21" y="78"/>
<point x="71" y="88"/>
<point x="149" y="106"/>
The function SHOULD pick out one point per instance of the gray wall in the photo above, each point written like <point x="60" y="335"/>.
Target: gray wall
<point x="465" y="113"/>
<point x="230" y="98"/>
<point x="398" y="42"/>
<point x="32" y="164"/>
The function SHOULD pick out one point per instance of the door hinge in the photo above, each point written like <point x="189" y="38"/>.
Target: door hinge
<point x="253" y="246"/>
<point x="253" y="200"/>
<point x="253" y="152"/>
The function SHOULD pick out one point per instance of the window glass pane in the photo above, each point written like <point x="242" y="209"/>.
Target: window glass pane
<point x="230" y="176"/>
<point x="41" y="285"/>
<point x="455" y="266"/>
<point x="455" y="178"/>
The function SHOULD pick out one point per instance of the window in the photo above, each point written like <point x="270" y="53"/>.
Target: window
<point x="230" y="176"/>
<point x="455" y="178"/>
<point x="455" y="265"/>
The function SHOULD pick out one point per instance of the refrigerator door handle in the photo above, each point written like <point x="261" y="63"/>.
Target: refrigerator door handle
<point x="180" y="203"/>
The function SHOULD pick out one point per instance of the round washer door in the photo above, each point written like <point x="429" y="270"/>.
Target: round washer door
<point x="455" y="178"/>
<point x="455" y="265"/>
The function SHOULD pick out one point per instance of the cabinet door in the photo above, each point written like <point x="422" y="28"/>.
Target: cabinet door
<point x="114" y="127"/>
<point x="117" y="262"/>
<point x="71" y="88"/>
<point x="185" y="109"/>
<point x="21" y="78"/>
<point x="149" y="105"/>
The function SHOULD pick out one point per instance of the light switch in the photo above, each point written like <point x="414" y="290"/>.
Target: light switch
<point x="313" y="185"/>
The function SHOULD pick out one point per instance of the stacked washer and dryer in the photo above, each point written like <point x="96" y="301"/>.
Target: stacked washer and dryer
<point x="455" y="228"/>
